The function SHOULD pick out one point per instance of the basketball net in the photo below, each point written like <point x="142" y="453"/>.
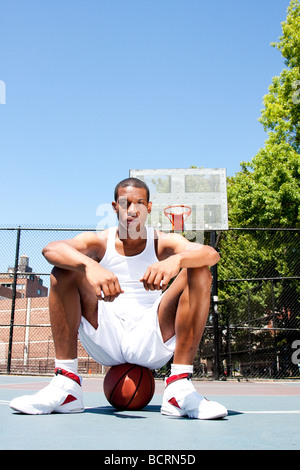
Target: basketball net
<point x="177" y="214"/>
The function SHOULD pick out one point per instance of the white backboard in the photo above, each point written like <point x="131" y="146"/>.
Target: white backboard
<point x="202" y="189"/>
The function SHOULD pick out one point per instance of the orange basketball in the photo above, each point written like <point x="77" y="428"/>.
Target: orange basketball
<point x="129" y="386"/>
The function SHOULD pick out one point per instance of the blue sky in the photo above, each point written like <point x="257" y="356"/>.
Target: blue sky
<point x="96" y="87"/>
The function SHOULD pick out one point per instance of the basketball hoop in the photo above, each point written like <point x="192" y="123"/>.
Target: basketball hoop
<point x="202" y="189"/>
<point x="177" y="214"/>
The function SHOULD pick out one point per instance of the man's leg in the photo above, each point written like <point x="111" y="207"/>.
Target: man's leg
<point x="70" y="297"/>
<point x="183" y="311"/>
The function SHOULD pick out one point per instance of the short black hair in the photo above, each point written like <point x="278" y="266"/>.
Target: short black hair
<point x="135" y="182"/>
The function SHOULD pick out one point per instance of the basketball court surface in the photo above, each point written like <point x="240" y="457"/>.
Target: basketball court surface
<point x="261" y="416"/>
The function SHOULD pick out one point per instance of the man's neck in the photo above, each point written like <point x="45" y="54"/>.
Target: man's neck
<point x="131" y="245"/>
<point x="128" y="236"/>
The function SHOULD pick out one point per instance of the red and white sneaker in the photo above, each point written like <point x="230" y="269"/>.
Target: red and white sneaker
<point x="181" y="399"/>
<point x="62" y="395"/>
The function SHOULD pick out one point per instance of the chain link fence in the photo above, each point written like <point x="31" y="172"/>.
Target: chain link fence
<point x="256" y="332"/>
<point x="253" y="328"/>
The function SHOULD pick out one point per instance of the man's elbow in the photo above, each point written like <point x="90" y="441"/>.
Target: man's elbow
<point x="215" y="257"/>
<point x="48" y="249"/>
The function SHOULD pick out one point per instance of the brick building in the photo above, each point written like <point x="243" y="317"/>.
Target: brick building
<point x="28" y="284"/>
<point x="32" y="345"/>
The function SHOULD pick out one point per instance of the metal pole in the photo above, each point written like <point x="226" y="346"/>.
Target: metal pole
<point x="13" y="303"/>
<point x="27" y="328"/>
<point x="215" y="315"/>
<point x="249" y="333"/>
<point x="276" y="357"/>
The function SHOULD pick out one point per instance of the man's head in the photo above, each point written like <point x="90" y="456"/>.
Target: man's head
<point x="132" y="206"/>
<point x="135" y="183"/>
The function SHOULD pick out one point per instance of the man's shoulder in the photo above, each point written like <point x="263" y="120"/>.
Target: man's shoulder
<point x="103" y="234"/>
<point x="93" y="238"/>
<point x="169" y="237"/>
<point x="169" y="243"/>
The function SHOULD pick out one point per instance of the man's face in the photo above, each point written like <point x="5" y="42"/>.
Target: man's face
<point x="132" y="209"/>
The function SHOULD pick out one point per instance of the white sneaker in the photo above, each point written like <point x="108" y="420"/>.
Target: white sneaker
<point x="62" y="395"/>
<point x="181" y="399"/>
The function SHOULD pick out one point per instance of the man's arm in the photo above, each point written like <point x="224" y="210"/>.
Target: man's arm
<point x="82" y="254"/>
<point x="75" y="254"/>
<point x="176" y="252"/>
<point x="194" y="255"/>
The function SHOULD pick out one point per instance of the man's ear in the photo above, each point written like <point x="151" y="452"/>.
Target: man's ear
<point x="149" y="207"/>
<point x="114" y="205"/>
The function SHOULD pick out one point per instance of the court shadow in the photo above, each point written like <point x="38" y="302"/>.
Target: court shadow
<point x="152" y="408"/>
<point x="134" y="414"/>
<point x="233" y="413"/>
<point x="109" y="410"/>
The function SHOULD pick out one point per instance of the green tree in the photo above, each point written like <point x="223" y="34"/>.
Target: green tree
<point x="266" y="192"/>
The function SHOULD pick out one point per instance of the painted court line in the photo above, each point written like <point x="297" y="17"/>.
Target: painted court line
<point x="271" y="412"/>
<point x="242" y="412"/>
<point x="6" y="402"/>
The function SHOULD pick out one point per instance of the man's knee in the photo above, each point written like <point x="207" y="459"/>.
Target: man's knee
<point x="61" y="276"/>
<point x="200" y="277"/>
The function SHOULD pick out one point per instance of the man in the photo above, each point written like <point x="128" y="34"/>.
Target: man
<point x="112" y="287"/>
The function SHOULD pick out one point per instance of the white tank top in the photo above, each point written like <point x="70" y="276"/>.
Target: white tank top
<point x="129" y="270"/>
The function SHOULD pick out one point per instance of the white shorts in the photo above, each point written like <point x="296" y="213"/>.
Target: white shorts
<point x="116" y="341"/>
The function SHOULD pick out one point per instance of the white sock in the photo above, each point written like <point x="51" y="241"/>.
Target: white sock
<point x="177" y="369"/>
<point x="70" y="365"/>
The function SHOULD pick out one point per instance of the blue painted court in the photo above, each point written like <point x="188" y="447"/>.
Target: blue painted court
<point x="262" y="416"/>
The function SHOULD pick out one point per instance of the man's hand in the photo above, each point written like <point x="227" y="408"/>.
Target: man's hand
<point x="158" y="275"/>
<point x="104" y="282"/>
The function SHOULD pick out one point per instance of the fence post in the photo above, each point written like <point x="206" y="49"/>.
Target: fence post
<point x="215" y="314"/>
<point x="27" y="328"/>
<point x="274" y="320"/>
<point x="13" y="302"/>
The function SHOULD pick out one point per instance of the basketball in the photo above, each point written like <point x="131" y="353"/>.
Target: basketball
<point x="129" y="386"/>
